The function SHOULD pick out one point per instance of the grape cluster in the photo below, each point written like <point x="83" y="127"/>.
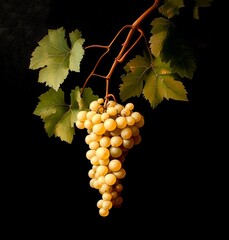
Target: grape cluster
<point x="112" y="130"/>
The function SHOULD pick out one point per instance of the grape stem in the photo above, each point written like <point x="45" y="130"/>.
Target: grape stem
<point x="124" y="51"/>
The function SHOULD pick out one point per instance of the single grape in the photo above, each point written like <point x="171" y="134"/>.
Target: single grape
<point x="114" y="165"/>
<point x="110" y="179"/>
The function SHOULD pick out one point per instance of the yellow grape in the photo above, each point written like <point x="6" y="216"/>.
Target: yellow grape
<point x="110" y="179"/>
<point x="99" y="128"/>
<point x="137" y="116"/>
<point x="107" y="204"/>
<point x="126" y="133"/>
<point x="121" y="122"/>
<point x="112" y="111"/>
<point x="129" y="106"/>
<point x="82" y="116"/>
<point x="94" y="106"/>
<point x="102" y="170"/>
<point x="110" y="124"/>
<point x="114" y="165"/>
<point x="107" y="196"/>
<point x="115" y="152"/>
<point x="103" y="212"/>
<point x="102" y="153"/>
<point x="90" y="114"/>
<point x="116" y="141"/>
<point x="120" y="173"/>
<point x="105" y="142"/>
<point x="96" y="118"/>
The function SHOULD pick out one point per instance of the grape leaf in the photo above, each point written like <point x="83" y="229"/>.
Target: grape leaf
<point x="136" y="70"/>
<point x="77" y="50"/>
<point x="184" y="65"/>
<point x="76" y="99"/>
<point x="64" y="129"/>
<point x="88" y="97"/>
<point x="160" y="27"/>
<point x="54" y="75"/>
<point x="49" y="103"/>
<point x="51" y="108"/>
<point x="198" y="4"/>
<point x="55" y="58"/>
<point x="160" y="83"/>
<point x="177" y="52"/>
<point x="180" y="56"/>
<point x="59" y="117"/>
<point x="170" y="8"/>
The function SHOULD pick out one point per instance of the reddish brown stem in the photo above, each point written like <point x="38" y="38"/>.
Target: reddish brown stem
<point x="124" y="51"/>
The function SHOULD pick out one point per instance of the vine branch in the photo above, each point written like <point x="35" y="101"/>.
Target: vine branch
<point x="124" y="51"/>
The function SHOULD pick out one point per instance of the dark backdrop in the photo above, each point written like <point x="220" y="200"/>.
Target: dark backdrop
<point x="175" y="181"/>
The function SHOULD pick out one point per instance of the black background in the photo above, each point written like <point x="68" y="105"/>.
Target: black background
<point x="175" y="183"/>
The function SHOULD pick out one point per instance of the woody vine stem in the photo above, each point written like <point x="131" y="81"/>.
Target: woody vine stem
<point x="123" y="52"/>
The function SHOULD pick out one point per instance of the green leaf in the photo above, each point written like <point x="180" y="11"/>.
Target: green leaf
<point x="56" y="58"/>
<point x="82" y="101"/>
<point x="76" y="99"/>
<point x="172" y="47"/>
<point x="51" y="108"/>
<point x="184" y="65"/>
<point x="59" y="117"/>
<point x="161" y="68"/>
<point x="74" y="36"/>
<point x="64" y="128"/>
<point x="180" y="56"/>
<point x="49" y="102"/>
<point x="170" y="88"/>
<point x="160" y="30"/>
<point x="88" y="97"/>
<point x="136" y="71"/>
<point x="198" y="4"/>
<point x="170" y="8"/>
<point x="53" y="75"/>
<point x="160" y="83"/>
<point x="77" y="51"/>
<point x="150" y="90"/>
<point x="53" y="46"/>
